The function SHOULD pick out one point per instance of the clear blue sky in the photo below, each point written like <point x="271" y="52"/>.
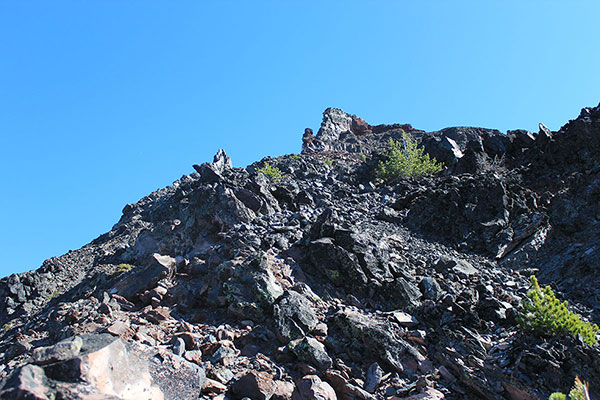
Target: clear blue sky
<point x="103" y="102"/>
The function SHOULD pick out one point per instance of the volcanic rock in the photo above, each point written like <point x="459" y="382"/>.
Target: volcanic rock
<point x="327" y="282"/>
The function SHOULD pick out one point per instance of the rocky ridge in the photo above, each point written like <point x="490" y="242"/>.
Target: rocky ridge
<point x="326" y="284"/>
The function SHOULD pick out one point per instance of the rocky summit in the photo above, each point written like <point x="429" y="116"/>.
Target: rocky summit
<point x="322" y="282"/>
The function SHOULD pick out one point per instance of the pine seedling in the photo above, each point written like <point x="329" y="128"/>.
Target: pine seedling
<point x="546" y="315"/>
<point x="406" y="158"/>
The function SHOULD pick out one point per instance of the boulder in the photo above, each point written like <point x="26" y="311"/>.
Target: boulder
<point x="255" y="385"/>
<point x="64" y="350"/>
<point x="312" y="351"/>
<point x="430" y="288"/>
<point x="283" y="390"/>
<point x="294" y="316"/>
<point x="27" y="382"/>
<point x="374" y="376"/>
<point x="139" y="279"/>
<point x="376" y="337"/>
<point x="252" y="289"/>
<point x="209" y="172"/>
<point x="311" y="387"/>
<point x="103" y="367"/>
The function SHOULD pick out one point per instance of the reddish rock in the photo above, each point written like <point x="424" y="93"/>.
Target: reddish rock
<point x="120" y="329"/>
<point x="355" y="393"/>
<point x="312" y="388"/>
<point x="337" y="381"/>
<point x="191" y="340"/>
<point x="194" y="356"/>
<point x="359" y="125"/>
<point x="158" y="315"/>
<point x="344" y="389"/>
<point x="212" y="386"/>
<point x="516" y="393"/>
<point x="283" y="390"/>
<point x="256" y="385"/>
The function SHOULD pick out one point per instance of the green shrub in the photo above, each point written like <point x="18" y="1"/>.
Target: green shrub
<point x="406" y="158"/>
<point x="295" y="156"/>
<point x="579" y="391"/>
<point x="328" y="162"/>
<point x="544" y="314"/>
<point x="273" y="173"/>
<point x="121" y="269"/>
<point x="8" y="326"/>
<point x="557" y="396"/>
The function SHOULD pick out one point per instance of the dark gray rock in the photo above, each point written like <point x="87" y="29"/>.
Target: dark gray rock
<point x="403" y="293"/>
<point x="64" y="350"/>
<point x="347" y="256"/>
<point x="142" y="278"/>
<point x="544" y="135"/>
<point x="28" y="383"/>
<point x="376" y="337"/>
<point x="464" y="268"/>
<point x="430" y="288"/>
<point x="311" y="351"/>
<point x="222" y="161"/>
<point x="374" y="376"/>
<point x="252" y="289"/>
<point x="209" y="173"/>
<point x="336" y="263"/>
<point x="177" y="378"/>
<point x="294" y="316"/>
<point x="523" y="138"/>
<point x="445" y="263"/>
<point x="179" y="347"/>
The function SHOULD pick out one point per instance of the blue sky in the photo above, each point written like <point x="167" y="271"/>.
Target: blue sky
<point x="103" y="102"/>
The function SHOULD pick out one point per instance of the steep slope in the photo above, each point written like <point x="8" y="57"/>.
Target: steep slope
<point x="230" y="284"/>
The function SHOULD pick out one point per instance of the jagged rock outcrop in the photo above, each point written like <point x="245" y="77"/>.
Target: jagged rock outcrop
<point x="326" y="283"/>
<point x="342" y="132"/>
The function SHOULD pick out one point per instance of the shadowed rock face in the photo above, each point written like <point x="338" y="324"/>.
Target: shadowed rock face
<point x="326" y="283"/>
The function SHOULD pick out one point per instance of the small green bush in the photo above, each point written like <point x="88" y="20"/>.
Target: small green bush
<point x="8" y="326"/>
<point x="406" y="158"/>
<point x="121" y="269"/>
<point x="579" y="391"/>
<point x="557" y="396"/>
<point x="545" y="315"/>
<point x="273" y="173"/>
<point x="328" y="162"/>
